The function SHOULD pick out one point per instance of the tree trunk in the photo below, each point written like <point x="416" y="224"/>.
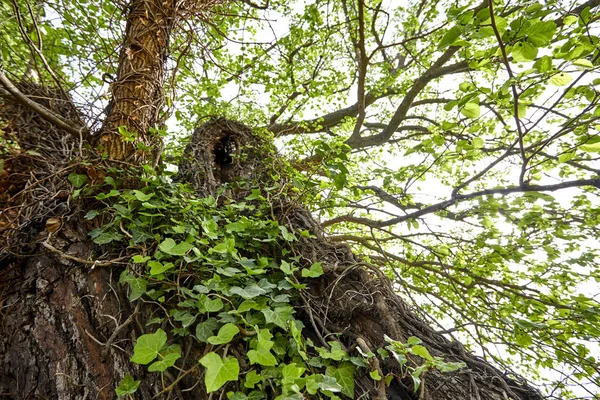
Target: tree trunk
<point x="138" y="91"/>
<point x="67" y="329"/>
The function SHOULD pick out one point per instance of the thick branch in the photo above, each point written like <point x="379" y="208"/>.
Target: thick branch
<point x="595" y="182"/>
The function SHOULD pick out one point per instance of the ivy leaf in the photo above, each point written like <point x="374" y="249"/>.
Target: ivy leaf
<point x="107" y="237"/>
<point x="291" y="373"/>
<point x="138" y="287"/>
<point x="139" y="235"/>
<point x="206" y="329"/>
<point x="141" y="196"/>
<point x="471" y="110"/>
<point x="329" y="384"/>
<point x="169" y="246"/>
<point x="77" y="180"/>
<point x="226" y="333"/>
<point x="312" y="383"/>
<point x="249" y="292"/>
<point x="157" y="268"/>
<point x="450" y="366"/>
<point x="421" y="351"/>
<point x="206" y="304"/>
<point x="91" y="214"/>
<point x="278" y="316"/>
<point x="336" y="353"/>
<point x="285" y="233"/>
<point x="252" y="378"/>
<point x="261" y="354"/>
<point x="375" y="375"/>
<point x="127" y="386"/>
<point x="210" y="228"/>
<point x="344" y="375"/>
<point x="148" y="346"/>
<point x="219" y="371"/>
<point x="167" y="360"/>
<point x="315" y="271"/>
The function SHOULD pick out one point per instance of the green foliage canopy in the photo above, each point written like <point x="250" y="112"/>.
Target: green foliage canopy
<point x="455" y="145"/>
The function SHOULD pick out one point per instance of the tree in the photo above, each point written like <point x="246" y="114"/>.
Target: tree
<point x="453" y="148"/>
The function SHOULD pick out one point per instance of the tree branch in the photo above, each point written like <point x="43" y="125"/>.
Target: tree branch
<point x="44" y="112"/>
<point x="595" y="182"/>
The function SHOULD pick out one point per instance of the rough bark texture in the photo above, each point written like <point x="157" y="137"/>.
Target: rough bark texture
<point x="138" y="92"/>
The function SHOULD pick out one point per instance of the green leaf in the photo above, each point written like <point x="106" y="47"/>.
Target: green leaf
<point x="591" y="148"/>
<point x="471" y="110"/>
<point x="127" y="386"/>
<point x="541" y="33"/>
<point x="168" y="360"/>
<point x="543" y="64"/>
<point x="91" y="214"/>
<point x="169" y="246"/>
<point x="413" y="340"/>
<point x="226" y="333"/>
<point x="450" y="366"/>
<point x="261" y="354"/>
<point x="582" y="62"/>
<point x="206" y="329"/>
<point x="219" y="371"/>
<point x="252" y="378"/>
<point x="375" y="375"/>
<point x="291" y="373"/>
<point x="449" y="37"/>
<point x="421" y="351"/>
<point x="139" y="235"/>
<point x="138" y="288"/>
<point x="344" y="375"/>
<point x="206" y="304"/>
<point x="248" y="292"/>
<point x="478" y="142"/>
<point x="524" y="51"/>
<point x="107" y="237"/>
<point x="278" y="316"/>
<point x="329" y="384"/>
<point x="561" y="79"/>
<point x="570" y="20"/>
<point x="141" y="196"/>
<point x="157" y="268"/>
<point x="77" y="180"/>
<point x="315" y="271"/>
<point x="287" y="268"/>
<point x="566" y="157"/>
<point x="148" y="346"/>
<point x="286" y="234"/>
<point x="335" y="353"/>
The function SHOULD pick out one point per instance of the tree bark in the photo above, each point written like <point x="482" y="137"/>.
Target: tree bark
<point x="137" y="93"/>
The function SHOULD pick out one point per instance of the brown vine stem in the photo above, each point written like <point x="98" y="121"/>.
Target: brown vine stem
<point x="94" y="264"/>
<point x="45" y="113"/>
<point x="374" y="362"/>
<point x="513" y="87"/>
